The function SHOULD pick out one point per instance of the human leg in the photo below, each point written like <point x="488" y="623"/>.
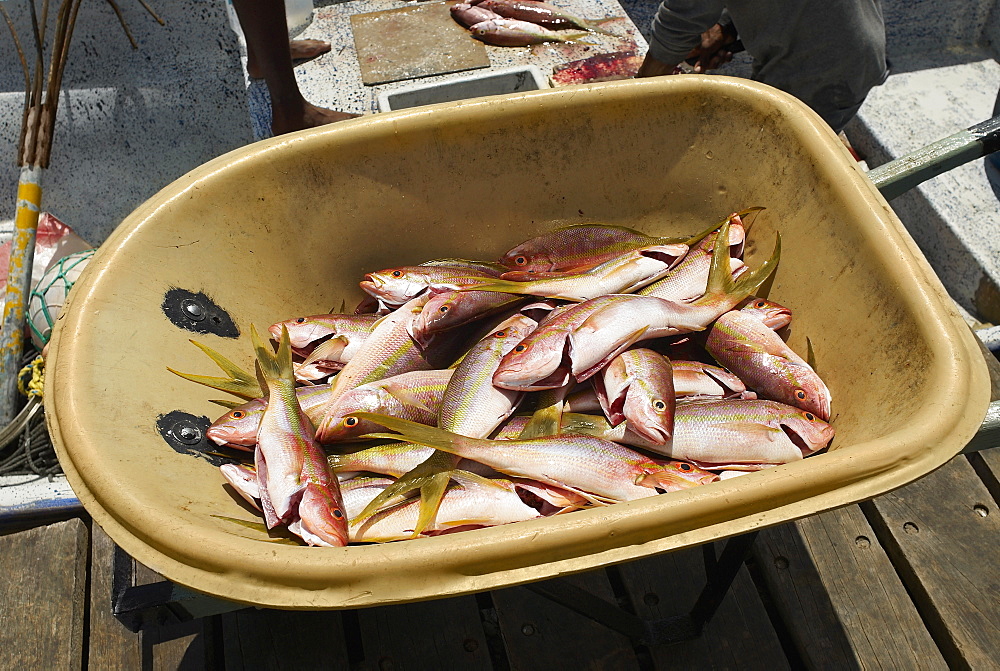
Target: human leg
<point x="263" y="24"/>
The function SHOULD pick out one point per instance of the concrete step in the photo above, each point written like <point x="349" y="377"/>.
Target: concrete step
<point x="955" y="217"/>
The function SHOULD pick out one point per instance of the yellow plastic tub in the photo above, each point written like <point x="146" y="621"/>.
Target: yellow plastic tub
<point x="289" y="226"/>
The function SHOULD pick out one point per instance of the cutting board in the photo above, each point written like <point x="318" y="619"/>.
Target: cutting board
<point x="414" y="41"/>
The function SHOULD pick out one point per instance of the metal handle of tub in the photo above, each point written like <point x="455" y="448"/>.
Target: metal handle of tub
<point x="988" y="434"/>
<point x="902" y="174"/>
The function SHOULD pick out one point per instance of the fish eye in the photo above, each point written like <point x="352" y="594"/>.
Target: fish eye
<point x="337" y="513"/>
<point x="659" y="405"/>
<point x="351" y="421"/>
<point x="521" y="261"/>
<point x="238" y="414"/>
<point x="811" y="417"/>
<point x="397" y="273"/>
<point x="443" y="309"/>
<point x="500" y="334"/>
<point x="685" y="467"/>
<point x="520" y="348"/>
<point x="759" y="304"/>
<point x="300" y="320"/>
<point x="799" y="394"/>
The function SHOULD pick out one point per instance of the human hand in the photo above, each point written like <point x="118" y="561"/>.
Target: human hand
<point x="653" y="68"/>
<point x="713" y="52"/>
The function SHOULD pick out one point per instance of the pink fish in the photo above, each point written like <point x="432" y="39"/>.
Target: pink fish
<point x="297" y="487"/>
<point x="469" y="15"/>
<point x="744" y="345"/>
<point x="638" y="387"/>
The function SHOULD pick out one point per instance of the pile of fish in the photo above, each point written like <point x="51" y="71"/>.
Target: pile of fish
<point x="520" y="23"/>
<point x="590" y="365"/>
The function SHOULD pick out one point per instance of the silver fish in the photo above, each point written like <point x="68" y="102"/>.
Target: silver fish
<point x="513" y="33"/>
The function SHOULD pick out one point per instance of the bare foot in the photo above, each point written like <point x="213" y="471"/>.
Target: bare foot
<point x="312" y="117"/>
<point x="302" y="51"/>
<point x="306" y="50"/>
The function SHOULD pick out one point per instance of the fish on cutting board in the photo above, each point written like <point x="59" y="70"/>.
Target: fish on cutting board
<point x="514" y="33"/>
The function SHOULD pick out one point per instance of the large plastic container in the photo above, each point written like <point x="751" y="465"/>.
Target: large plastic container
<point x="288" y="226"/>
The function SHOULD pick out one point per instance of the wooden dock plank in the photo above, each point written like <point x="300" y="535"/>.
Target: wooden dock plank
<point x="987" y="465"/>
<point x="840" y="597"/>
<point x="182" y="645"/>
<point x="110" y="644"/>
<point x="739" y="636"/>
<point x="942" y="533"/>
<point x="42" y="596"/>
<point x="441" y="634"/>
<point x="541" y="634"/>
<point x="276" y="639"/>
<point x="185" y="645"/>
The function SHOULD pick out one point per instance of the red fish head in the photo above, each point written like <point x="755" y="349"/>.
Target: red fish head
<point x="322" y="520"/>
<point x="302" y="331"/>
<point x="533" y="365"/>
<point x="525" y="259"/>
<point x="238" y="427"/>
<point x="807" y="431"/>
<point x="774" y="315"/>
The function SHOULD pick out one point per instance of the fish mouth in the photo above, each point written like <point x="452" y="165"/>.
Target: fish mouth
<point x="796" y="438"/>
<point x="655" y="434"/>
<point x="776" y="319"/>
<point x="225" y="437"/>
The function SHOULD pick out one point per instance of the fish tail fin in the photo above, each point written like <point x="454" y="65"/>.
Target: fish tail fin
<point x="580" y="36"/>
<point x="597" y="25"/>
<point x="409" y="398"/>
<point x="275" y="367"/>
<point x="500" y="286"/>
<point x="414" y="432"/>
<point x="692" y="241"/>
<point x="547" y="418"/>
<point x="431" y="478"/>
<point x="720" y="277"/>
<point x="749" y="283"/>
<point x="224" y="403"/>
<point x="431" y="495"/>
<point x="238" y="383"/>
<point x="810" y="354"/>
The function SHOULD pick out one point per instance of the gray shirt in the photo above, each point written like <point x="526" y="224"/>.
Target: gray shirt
<point x="826" y="53"/>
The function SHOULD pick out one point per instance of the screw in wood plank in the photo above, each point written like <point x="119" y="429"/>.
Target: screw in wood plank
<point x="471" y="645"/>
<point x="528" y="629"/>
<point x="386" y="664"/>
<point x="650" y="599"/>
<point x="862" y="542"/>
<point x="981" y="510"/>
<point x="911" y="528"/>
<point x="781" y="563"/>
